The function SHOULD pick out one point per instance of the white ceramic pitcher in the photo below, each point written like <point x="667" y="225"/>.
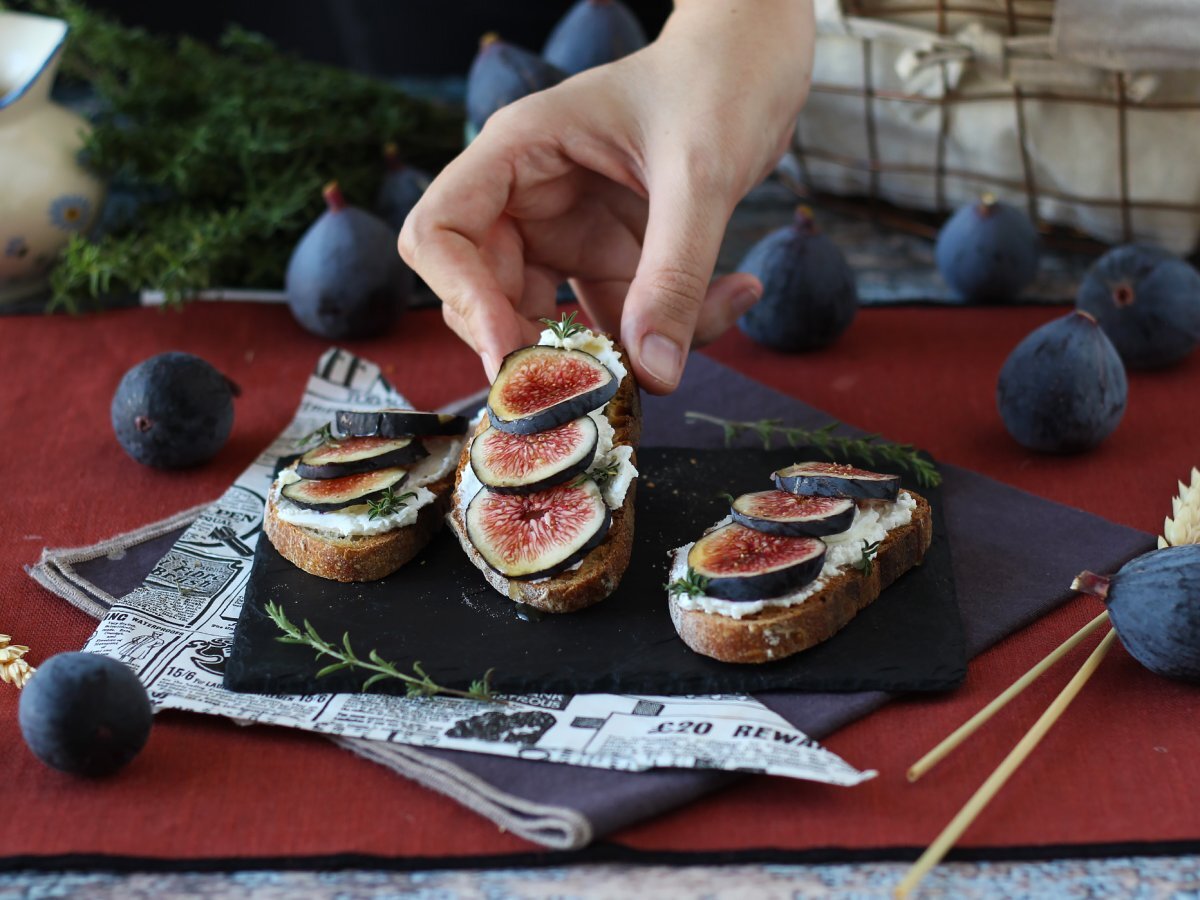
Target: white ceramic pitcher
<point x="45" y="195"/>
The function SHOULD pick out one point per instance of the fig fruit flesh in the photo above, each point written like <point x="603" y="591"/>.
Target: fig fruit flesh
<point x="828" y="479"/>
<point x="84" y="714"/>
<point x="356" y="455"/>
<point x="525" y="463"/>
<point x="396" y="423"/>
<point x="401" y="189"/>
<point x="345" y="279"/>
<point x="988" y="251"/>
<point x="173" y="410"/>
<point x="500" y="74"/>
<point x="1063" y="388"/>
<point x="1148" y="303"/>
<point x="742" y="563"/>
<point x="592" y="33"/>
<point x="539" y="387"/>
<point x="331" y="494"/>
<point x="1154" y="604"/>
<point x="809" y="296"/>
<point x="783" y="513"/>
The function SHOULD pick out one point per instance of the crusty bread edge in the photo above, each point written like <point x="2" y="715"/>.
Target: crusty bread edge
<point x="777" y="632"/>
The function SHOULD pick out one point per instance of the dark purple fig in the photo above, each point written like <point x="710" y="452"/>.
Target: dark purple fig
<point x="85" y="714"/>
<point x="592" y="33"/>
<point x="539" y="388"/>
<point x="742" y="563"/>
<point x="394" y="423"/>
<point x="524" y="463"/>
<point x="330" y="494"/>
<point x="402" y="187"/>
<point x="1063" y="389"/>
<point x="355" y="455"/>
<point x="1154" y="604"/>
<point x="500" y="74"/>
<point x="345" y="278"/>
<point x="525" y="536"/>
<point x="1148" y="303"/>
<point x="988" y="251"/>
<point x="827" y="479"/>
<point x="782" y="513"/>
<point x="809" y="297"/>
<point x="173" y="410"/>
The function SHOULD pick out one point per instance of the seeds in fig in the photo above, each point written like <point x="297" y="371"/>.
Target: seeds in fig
<point x="401" y="189"/>
<point x="500" y="74"/>
<point x="540" y="387"/>
<point x="742" y="563"/>
<point x="809" y="296"/>
<point x="783" y="513"/>
<point x="330" y="494"/>
<point x="1063" y="389"/>
<point x="1148" y="303"/>
<point x="524" y="463"/>
<point x="1154" y="604"/>
<point x="395" y="423"/>
<point x="827" y="479"/>
<point x="525" y="536"/>
<point x="352" y="456"/>
<point x="592" y="33"/>
<point x="988" y="251"/>
<point x="345" y="278"/>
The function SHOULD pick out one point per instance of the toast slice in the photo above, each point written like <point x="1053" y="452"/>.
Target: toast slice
<point x="776" y="632"/>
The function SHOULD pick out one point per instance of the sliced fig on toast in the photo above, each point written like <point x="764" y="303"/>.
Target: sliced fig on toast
<point x="525" y="536"/>
<point x="827" y="479"/>
<point x="391" y="423"/>
<point x="329" y="494"/>
<point x="743" y="564"/>
<point x="351" y="456"/>
<point x="524" y="463"/>
<point x="539" y="388"/>
<point x="778" y="512"/>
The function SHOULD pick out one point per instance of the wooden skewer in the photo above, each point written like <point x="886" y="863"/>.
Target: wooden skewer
<point x="961" y="822"/>
<point x="964" y="731"/>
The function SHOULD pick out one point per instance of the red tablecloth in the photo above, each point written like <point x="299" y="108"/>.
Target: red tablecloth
<point x="1121" y="767"/>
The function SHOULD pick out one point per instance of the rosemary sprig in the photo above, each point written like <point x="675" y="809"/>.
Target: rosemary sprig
<point x="867" y="561"/>
<point x="564" y="328"/>
<point x="868" y="448"/>
<point x="693" y="584"/>
<point x="387" y="503"/>
<point x="605" y="472"/>
<point x="322" y="435"/>
<point x="419" y="684"/>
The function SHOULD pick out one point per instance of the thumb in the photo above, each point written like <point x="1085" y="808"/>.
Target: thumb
<point x="683" y="235"/>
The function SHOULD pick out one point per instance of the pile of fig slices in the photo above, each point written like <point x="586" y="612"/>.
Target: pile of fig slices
<point x="538" y="512"/>
<point x="774" y="544"/>
<point x="368" y="459"/>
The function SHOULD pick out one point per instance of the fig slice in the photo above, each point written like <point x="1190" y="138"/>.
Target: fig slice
<point x="827" y="479"/>
<point x="541" y="387"/>
<point x="329" y="494"/>
<point x="351" y="456"/>
<point x="524" y="463"/>
<point x="778" y="512"/>
<point x="525" y="536"/>
<point x="743" y="564"/>
<point x="393" y="423"/>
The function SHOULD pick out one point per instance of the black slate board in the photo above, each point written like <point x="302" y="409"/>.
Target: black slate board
<point x="438" y="610"/>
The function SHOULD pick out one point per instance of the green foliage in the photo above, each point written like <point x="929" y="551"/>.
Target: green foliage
<point x="227" y="149"/>
<point x="692" y="584"/>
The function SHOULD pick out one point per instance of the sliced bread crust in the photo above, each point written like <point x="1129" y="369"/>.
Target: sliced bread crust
<point x="776" y="632"/>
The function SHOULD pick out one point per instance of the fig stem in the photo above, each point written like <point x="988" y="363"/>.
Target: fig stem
<point x="391" y="157"/>
<point x="333" y="197"/>
<point x="1091" y="583"/>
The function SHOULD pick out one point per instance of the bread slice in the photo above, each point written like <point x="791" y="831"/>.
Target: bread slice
<point x="358" y="557"/>
<point x="602" y="568"/>
<point x="776" y="632"/>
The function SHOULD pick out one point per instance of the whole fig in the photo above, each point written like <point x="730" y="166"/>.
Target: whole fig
<point x="809" y="295"/>
<point x="987" y="251"/>
<point x="501" y="73"/>
<point x="592" y="33"/>
<point x="1154" y="604"/>
<point x="1063" y="389"/>
<point x="173" y="410"/>
<point x="345" y="278"/>
<point x="400" y="190"/>
<point x="1148" y="303"/>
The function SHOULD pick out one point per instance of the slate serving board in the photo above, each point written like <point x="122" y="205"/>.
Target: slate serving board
<point x="439" y="611"/>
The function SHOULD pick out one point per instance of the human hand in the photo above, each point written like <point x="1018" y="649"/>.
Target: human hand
<point x="621" y="180"/>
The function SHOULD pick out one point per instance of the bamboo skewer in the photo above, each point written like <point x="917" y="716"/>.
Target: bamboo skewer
<point x="964" y="731"/>
<point x="961" y="822"/>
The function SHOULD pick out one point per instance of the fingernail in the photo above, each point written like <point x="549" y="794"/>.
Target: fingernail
<point x="662" y="358"/>
<point x="489" y="365"/>
<point x="743" y="300"/>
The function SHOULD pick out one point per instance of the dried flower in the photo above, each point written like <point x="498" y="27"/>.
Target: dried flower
<point x="13" y="669"/>
<point x="1184" y="528"/>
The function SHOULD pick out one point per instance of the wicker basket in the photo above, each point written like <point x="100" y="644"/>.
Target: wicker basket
<point x="927" y="103"/>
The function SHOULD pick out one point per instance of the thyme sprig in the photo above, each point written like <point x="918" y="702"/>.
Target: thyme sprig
<point x="867" y="561"/>
<point x="418" y="684"/>
<point x="868" y="448"/>
<point x="387" y="503"/>
<point x="318" y="436"/>
<point x="605" y="472"/>
<point x="692" y="584"/>
<point x="564" y="328"/>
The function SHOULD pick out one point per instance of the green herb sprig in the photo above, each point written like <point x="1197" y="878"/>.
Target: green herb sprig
<point x="692" y="584"/>
<point x="317" y="437"/>
<point x="866" y="562"/>
<point x="564" y="328"/>
<point x="868" y="448"/>
<point x="387" y="503"/>
<point x="418" y="684"/>
<point x="605" y="472"/>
